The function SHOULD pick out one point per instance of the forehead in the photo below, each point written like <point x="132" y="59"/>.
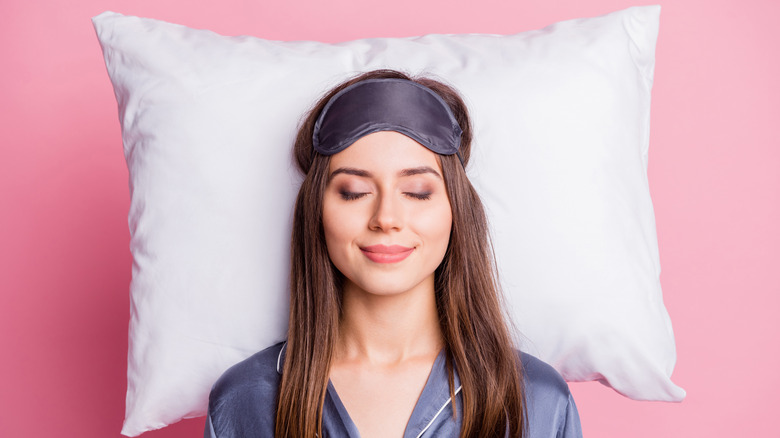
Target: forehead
<point x="388" y="151"/>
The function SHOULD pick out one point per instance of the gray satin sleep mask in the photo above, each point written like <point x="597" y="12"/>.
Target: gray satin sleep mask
<point x="387" y="105"/>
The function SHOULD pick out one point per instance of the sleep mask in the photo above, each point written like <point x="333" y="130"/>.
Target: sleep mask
<point x="387" y="104"/>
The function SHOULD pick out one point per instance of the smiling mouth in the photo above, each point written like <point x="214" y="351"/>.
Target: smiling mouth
<point x="386" y="254"/>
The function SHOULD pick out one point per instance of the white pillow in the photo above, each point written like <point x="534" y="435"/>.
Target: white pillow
<point x="561" y="118"/>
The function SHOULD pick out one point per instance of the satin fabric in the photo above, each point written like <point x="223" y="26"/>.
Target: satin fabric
<point x="386" y="104"/>
<point x="241" y="403"/>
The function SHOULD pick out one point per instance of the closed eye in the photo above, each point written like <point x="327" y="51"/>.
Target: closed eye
<point x="421" y="196"/>
<point x="351" y="196"/>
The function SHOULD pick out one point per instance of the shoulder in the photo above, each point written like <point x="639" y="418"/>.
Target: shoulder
<point x="540" y="376"/>
<point x="550" y="406"/>
<point x="244" y="397"/>
<point x="257" y="372"/>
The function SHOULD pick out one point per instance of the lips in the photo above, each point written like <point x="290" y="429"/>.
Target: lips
<point x="386" y="254"/>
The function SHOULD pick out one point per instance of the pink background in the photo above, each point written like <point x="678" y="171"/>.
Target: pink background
<point x="65" y="262"/>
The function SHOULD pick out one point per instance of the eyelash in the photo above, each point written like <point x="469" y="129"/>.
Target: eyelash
<point x="351" y="196"/>
<point x="420" y="196"/>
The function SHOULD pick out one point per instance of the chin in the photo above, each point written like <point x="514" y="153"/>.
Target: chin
<point x="384" y="289"/>
<point x="389" y="284"/>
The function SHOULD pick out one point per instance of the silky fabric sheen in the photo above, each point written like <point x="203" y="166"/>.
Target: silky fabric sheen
<point x="242" y="402"/>
<point x="387" y="104"/>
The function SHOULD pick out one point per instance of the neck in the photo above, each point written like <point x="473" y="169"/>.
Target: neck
<point x="386" y="329"/>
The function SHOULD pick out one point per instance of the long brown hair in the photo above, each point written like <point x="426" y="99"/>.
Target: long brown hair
<point x="476" y="335"/>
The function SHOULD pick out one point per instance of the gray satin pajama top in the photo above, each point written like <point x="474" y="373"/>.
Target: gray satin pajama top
<point x="241" y="403"/>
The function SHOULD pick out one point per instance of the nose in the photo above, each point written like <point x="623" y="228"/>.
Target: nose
<point x="388" y="214"/>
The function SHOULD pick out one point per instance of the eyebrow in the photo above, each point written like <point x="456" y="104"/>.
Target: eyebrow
<point x="366" y="174"/>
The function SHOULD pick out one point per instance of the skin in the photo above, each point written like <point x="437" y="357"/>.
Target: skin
<point x="385" y="189"/>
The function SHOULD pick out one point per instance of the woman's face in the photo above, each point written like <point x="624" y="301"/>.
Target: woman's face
<point x="386" y="214"/>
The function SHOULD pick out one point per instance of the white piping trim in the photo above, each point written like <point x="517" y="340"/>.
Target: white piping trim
<point x="279" y="359"/>
<point x="437" y="413"/>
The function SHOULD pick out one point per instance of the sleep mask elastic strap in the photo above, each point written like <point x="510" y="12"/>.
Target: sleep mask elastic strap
<point x="388" y="104"/>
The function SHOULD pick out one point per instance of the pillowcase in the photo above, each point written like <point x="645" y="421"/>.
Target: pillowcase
<point x="561" y="123"/>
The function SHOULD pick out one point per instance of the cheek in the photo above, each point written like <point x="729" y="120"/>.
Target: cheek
<point x="330" y="224"/>
<point x="436" y="225"/>
<point x="333" y="238"/>
<point x="338" y="224"/>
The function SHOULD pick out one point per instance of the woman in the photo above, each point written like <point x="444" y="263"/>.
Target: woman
<point x="396" y="327"/>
